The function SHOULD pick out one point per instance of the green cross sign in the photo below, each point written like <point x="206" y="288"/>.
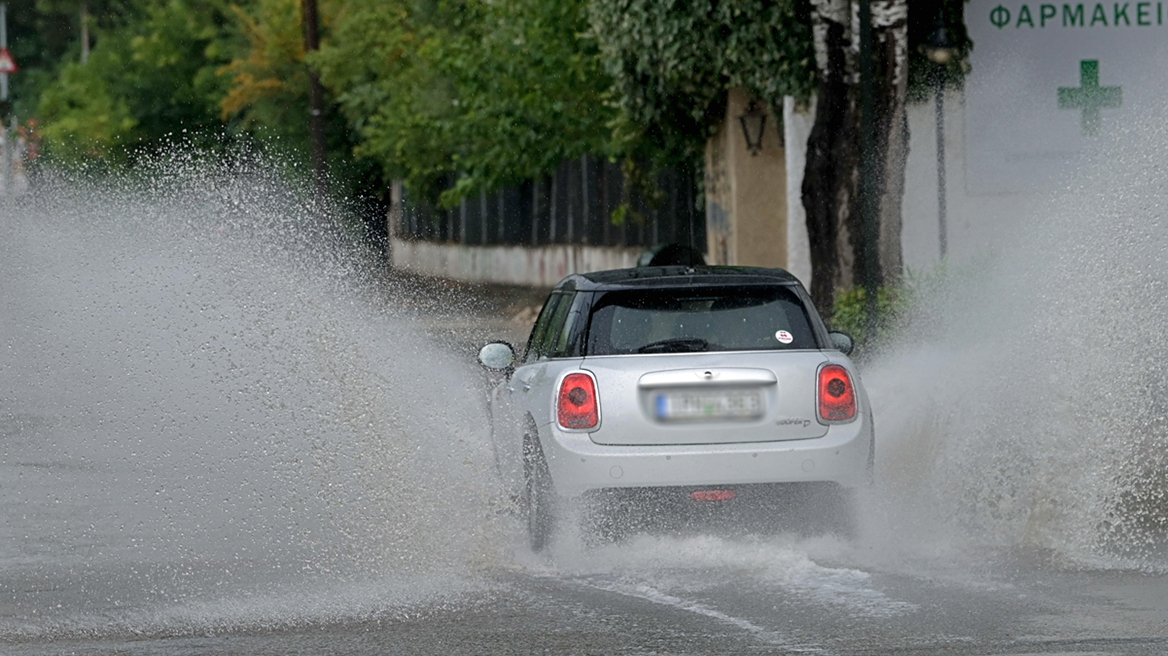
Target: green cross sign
<point x="1090" y="97"/>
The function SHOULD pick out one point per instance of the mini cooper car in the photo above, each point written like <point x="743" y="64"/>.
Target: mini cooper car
<point x="679" y="391"/>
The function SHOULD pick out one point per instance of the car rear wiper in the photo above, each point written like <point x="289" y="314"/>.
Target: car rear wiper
<point x="676" y="345"/>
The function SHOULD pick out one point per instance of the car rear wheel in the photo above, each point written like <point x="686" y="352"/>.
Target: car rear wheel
<point x="539" y="495"/>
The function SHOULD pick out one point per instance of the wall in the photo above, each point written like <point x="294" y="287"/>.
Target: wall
<point x="535" y="266"/>
<point x="976" y="222"/>
<point x="746" y="197"/>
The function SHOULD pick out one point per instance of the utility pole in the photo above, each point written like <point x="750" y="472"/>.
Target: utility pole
<point x="316" y="97"/>
<point x="84" y="31"/>
<point x="941" y="50"/>
<point x="939" y="107"/>
<point x="7" y="134"/>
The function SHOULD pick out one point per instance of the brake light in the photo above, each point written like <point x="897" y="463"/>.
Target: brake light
<point x="837" y="396"/>
<point x="577" y="408"/>
<point x="713" y="495"/>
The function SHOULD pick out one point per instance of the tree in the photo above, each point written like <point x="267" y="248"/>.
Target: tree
<point x="673" y="61"/>
<point x="149" y="82"/>
<point x="492" y="92"/>
<point x="269" y="98"/>
<point x="61" y="22"/>
<point x="830" y="183"/>
<point x="831" y="179"/>
<point x="83" y="118"/>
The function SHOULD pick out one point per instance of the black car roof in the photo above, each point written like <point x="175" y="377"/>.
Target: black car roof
<point x="665" y="277"/>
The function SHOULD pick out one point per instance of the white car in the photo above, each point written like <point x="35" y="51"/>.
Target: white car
<point x="679" y="391"/>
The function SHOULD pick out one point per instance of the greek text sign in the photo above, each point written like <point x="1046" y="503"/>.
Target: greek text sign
<point x="1116" y="14"/>
<point x="1052" y="81"/>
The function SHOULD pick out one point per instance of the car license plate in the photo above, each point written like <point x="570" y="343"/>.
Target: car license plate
<point x="708" y="406"/>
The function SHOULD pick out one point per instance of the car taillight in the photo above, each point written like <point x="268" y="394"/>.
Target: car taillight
<point x="713" y="495"/>
<point x="837" y="396"/>
<point x="577" y="408"/>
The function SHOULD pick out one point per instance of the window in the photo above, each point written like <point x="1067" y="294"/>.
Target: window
<point x="539" y="331"/>
<point x="556" y="328"/>
<point x="550" y="336"/>
<point x="566" y="343"/>
<point x="701" y="319"/>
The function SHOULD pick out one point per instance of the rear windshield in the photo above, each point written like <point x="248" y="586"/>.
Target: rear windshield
<point x="703" y="319"/>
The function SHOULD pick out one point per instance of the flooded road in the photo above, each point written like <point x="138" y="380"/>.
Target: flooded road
<point x="709" y="596"/>
<point x="224" y="431"/>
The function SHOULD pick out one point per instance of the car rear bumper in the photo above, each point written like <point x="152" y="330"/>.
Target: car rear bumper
<point x="578" y="465"/>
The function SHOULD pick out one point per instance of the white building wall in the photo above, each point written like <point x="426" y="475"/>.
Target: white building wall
<point x="977" y="223"/>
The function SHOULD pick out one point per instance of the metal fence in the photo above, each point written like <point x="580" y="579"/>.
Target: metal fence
<point x="575" y="205"/>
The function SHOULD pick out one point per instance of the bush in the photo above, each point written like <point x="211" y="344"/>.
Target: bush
<point x="850" y="314"/>
<point x="910" y="309"/>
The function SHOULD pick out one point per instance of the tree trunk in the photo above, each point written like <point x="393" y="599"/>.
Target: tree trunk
<point x="830" y="181"/>
<point x="84" y="32"/>
<point x="890" y="22"/>
<point x="315" y="97"/>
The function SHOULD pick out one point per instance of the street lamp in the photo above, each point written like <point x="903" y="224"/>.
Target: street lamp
<point x="753" y="124"/>
<point x="940" y="49"/>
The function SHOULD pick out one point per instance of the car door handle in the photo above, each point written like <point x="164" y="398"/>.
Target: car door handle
<point x="526" y="387"/>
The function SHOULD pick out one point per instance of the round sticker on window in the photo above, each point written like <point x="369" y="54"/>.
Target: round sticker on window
<point x="784" y="337"/>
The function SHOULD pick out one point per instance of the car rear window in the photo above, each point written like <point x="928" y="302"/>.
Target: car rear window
<point x="701" y="319"/>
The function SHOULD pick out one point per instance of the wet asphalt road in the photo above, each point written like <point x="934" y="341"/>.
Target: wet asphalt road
<point x="96" y="562"/>
<point x="530" y="613"/>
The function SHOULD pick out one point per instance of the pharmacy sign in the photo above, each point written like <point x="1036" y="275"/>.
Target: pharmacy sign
<point x="1051" y="82"/>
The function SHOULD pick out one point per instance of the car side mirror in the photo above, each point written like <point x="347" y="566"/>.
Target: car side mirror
<point x="497" y="356"/>
<point x="842" y="341"/>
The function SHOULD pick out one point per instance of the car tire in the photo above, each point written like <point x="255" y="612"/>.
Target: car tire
<point x="538" y="495"/>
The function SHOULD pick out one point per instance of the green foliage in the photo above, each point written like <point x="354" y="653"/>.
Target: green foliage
<point x="908" y="311"/>
<point x="146" y="84"/>
<point x="41" y="33"/>
<point x="192" y="71"/>
<point x="851" y="313"/>
<point x="478" y="93"/>
<point x="268" y="96"/>
<point x="83" y="119"/>
<point x="495" y="91"/>
<point x="672" y="61"/>
<point x="269" y="81"/>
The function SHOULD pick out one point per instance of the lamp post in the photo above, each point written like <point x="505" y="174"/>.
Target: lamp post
<point x="7" y="135"/>
<point x="940" y="50"/>
<point x="753" y="124"/>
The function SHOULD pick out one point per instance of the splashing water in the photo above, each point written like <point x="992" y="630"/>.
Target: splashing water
<point x="1024" y="405"/>
<point x="210" y="419"/>
<point x="215" y="415"/>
